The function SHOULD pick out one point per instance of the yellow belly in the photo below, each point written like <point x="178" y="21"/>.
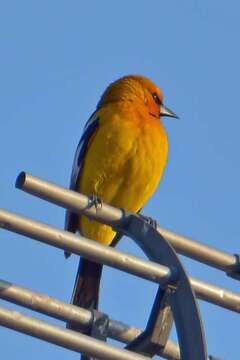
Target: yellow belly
<point x="123" y="166"/>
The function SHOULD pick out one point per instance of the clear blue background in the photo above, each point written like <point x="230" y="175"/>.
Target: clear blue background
<point x="56" y="58"/>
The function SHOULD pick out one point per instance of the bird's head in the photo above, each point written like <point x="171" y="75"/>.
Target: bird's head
<point x="139" y="89"/>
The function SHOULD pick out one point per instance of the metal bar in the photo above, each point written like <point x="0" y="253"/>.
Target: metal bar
<point x="201" y="252"/>
<point x="146" y="269"/>
<point x="63" y="337"/>
<point x="155" y="336"/>
<point x="99" y="329"/>
<point x="57" y="309"/>
<point x="85" y="247"/>
<point x="108" y="214"/>
<point x="182" y="300"/>
<point x="68" y="199"/>
<point x="47" y="305"/>
<point x="216" y="295"/>
<point x="44" y="304"/>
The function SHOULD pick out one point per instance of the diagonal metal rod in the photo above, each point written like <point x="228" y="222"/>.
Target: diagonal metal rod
<point x="63" y="337"/>
<point x="81" y="317"/>
<point x="114" y="258"/>
<point x="108" y="214"/>
<point x="86" y="247"/>
<point x="181" y="299"/>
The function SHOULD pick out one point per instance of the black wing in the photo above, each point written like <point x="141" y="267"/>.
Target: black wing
<point x="90" y="128"/>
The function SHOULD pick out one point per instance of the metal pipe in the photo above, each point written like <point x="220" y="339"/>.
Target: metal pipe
<point x="63" y="337"/>
<point x="216" y="295"/>
<point x="94" y="251"/>
<point x="108" y="214"/>
<point x="81" y="317"/>
<point x="181" y="299"/>
<point x="201" y="252"/>
<point x="45" y="304"/>
<point x="67" y="198"/>
<point x="87" y="248"/>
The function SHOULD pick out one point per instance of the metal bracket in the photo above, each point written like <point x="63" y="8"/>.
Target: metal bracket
<point x="235" y="272"/>
<point x="100" y="325"/>
<point x="183" y="301"/>
<point x="98" y="329"/>
<point x="159" y="325"/>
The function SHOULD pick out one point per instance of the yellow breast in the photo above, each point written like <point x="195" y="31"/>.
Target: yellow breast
<point x="123" y="165"/>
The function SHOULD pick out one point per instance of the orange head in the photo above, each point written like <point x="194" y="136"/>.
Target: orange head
<point x="139" y="89"/>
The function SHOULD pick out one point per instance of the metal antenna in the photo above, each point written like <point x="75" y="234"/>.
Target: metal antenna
<point x="175" y="299"/>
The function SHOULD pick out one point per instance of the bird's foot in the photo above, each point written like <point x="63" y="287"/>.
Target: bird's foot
<point x="149" y="221"/>
<point x="95" y="201"/>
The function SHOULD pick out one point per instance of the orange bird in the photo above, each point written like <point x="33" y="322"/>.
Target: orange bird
<point x="120" y="159"/>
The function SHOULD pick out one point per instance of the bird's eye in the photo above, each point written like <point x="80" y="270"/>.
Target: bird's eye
<point x="156" y="98"/>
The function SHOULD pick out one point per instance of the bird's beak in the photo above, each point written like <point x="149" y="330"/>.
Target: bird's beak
<point x="164" y="111"/>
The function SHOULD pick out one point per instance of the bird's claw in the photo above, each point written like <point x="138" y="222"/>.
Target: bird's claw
<point x="95" y="201"/>
<point x="149" y="221"/>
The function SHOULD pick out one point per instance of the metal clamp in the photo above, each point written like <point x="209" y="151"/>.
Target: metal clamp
<point x="154" y="338"/>
<point x="182" y="301"/>
<point x="235" y="272"/>
<point x="98" y="328"/>
<point x="100" y="325"/>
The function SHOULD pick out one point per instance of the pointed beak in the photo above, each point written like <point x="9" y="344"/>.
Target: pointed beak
<point x="164" y="111"/>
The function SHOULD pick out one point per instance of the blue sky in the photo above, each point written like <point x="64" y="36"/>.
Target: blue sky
<point x="56" y="59"/>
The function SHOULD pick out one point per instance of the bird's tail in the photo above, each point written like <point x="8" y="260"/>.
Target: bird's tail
<point x="87" y="283"/>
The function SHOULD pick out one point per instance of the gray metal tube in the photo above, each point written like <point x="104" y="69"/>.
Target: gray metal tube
<point x="108" y="214"/>
<point x="81" y="317"/>
<point x="85" y="247"/>
<point x="45" y="304"/>
<point x="63" y="337"/>
<point x="131" y="264"/>
<point x="67" y="198"/>
<point x="216" y="295"/>
<point x="201" y="252"/>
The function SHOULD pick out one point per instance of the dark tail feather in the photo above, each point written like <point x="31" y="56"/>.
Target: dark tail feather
<point x="87" y="283"/>
<point x="71" y="224"/>
<point x="86" y="290"/>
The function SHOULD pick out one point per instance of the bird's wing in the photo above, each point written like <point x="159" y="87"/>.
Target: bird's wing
<point x="89" y="130"/>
